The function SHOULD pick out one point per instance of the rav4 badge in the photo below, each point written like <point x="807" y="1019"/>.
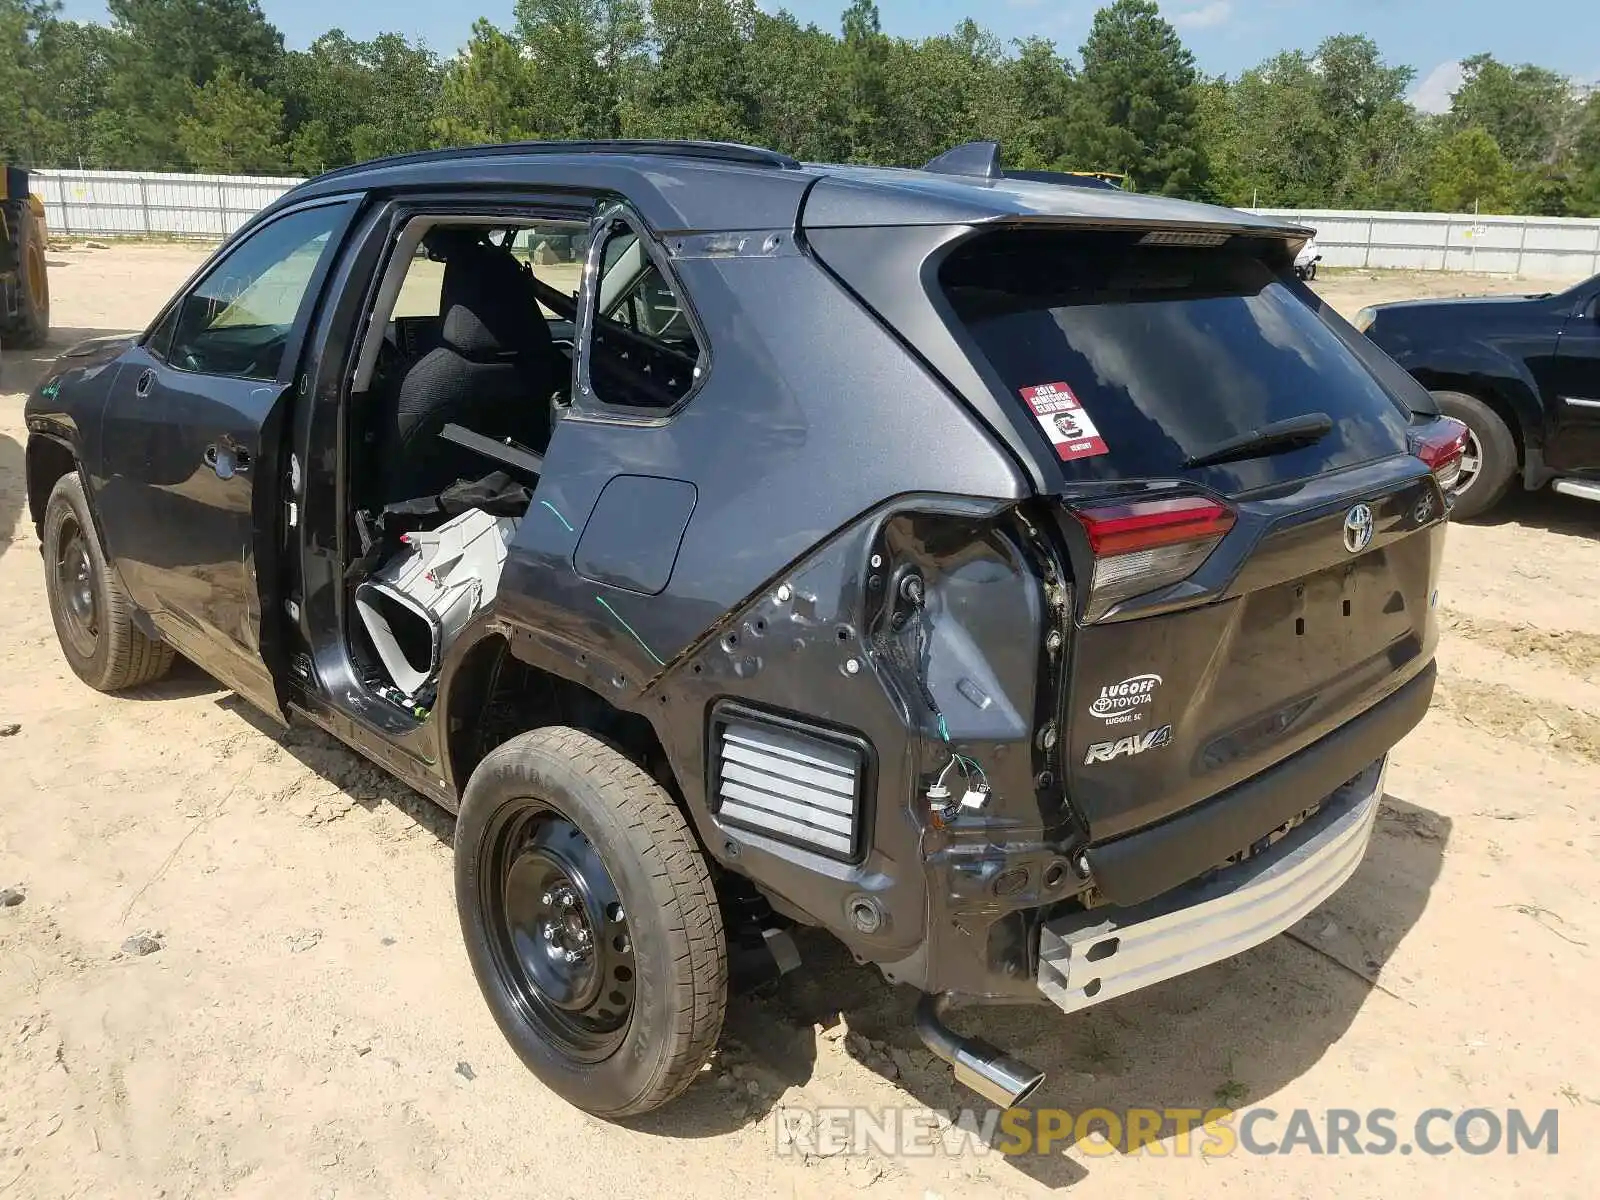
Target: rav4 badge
<point x="1137" y="744"/>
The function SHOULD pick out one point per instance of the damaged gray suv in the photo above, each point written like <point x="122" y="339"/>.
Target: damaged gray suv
<point x="1020" y="579"/>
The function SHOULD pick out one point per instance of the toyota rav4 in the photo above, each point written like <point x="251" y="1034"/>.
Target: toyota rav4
<point x="1023" y="581"/>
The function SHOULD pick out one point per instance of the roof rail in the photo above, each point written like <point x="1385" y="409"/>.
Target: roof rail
<point x="728" y="152"/>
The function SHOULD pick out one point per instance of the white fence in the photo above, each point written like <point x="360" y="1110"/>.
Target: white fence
<point x="122" y="203"/>
<point x="112" y="203"/>
<point x="1548" y="247"/>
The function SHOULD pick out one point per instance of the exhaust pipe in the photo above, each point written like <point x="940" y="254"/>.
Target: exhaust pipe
<point x="992" y="1073"/>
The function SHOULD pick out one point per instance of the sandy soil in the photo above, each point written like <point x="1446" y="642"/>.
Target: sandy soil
<point x="309" y="1026"/>
<point x="1349" y="288"/>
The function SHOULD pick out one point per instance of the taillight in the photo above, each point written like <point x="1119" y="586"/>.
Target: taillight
<point x="1442" y="445"/>
<point x="1142" y="545"/>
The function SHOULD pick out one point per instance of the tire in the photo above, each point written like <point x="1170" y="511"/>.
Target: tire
<point x="30" y="327"/>
<point x="92" y="614"/>
<point x="539" y="813"/>
<point x="1311" y="272"/>
<point x="1484" y="487"/>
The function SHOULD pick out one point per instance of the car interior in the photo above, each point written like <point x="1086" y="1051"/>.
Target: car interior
<point x="453" y="405"/>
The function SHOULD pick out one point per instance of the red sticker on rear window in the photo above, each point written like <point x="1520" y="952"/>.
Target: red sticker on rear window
<point x="1064" y="421"/>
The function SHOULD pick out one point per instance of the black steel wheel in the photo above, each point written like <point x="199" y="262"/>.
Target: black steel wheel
<point x="559" y="930"/>
<point x="75" y="581"/>
<point x="93" y="616"/>
<point x="590" y="920"/>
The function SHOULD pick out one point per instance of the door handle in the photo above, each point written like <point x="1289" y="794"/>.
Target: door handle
<point x="226" y="463"/>
<point x="146" y="382"/>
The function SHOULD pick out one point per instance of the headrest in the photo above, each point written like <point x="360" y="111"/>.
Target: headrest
<point x="489" y="305"/>
<point x="442" y="242"/>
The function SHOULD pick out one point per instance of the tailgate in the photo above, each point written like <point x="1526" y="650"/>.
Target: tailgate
<point x="1166" y="710"/>
<point x="1206" y="433"/>
<point x="1223" y="621"/>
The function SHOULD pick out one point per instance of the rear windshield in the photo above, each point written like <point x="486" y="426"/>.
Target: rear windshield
<point x="1132" y="358"/>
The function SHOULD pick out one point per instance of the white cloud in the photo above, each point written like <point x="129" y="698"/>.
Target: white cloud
<point x="1432" y="95"/>
<point x="1207" y="16"/>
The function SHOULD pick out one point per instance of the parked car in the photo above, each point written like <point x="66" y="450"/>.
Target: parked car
<point x="1023" y="582"/>
<point x="1523" y="373"/>
<point x="1305" y="262"/>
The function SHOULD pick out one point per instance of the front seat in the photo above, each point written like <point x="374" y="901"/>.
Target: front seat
<point x="493" y="373"/>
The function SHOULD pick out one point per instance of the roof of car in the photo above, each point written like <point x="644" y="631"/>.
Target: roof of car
<point x="706" y="186"/>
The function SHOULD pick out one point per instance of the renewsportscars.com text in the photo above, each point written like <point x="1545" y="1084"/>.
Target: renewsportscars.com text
<point x="1162" y="1132"/>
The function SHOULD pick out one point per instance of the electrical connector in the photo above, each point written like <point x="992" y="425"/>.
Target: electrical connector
<point x="976" y="800"/>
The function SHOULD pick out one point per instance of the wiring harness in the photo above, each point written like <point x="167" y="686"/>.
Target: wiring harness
<point x="909" y="656"/>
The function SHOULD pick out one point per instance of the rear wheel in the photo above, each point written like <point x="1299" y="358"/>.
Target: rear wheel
<point x="30" y="327"/>
<point x="590" y="921"/>
<point x="1490" y="460"/>
<point x="93" y="615"/>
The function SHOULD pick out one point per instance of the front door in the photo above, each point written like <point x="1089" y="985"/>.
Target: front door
<point x="189" y="500"/>
<point x="1574" y="445"/>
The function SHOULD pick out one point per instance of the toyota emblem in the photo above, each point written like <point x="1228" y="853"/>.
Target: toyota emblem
<point x="1358" y="529"/>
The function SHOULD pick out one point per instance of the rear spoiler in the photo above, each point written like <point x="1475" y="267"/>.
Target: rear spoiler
<point x="834" y="202"/>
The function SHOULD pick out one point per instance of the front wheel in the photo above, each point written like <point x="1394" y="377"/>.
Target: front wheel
<point x="1490" y="459"/>
<point x="93" y="615"/>
<point x="590" y="921"/>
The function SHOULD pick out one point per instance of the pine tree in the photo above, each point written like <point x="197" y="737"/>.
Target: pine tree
<point x="235" y="129"/>
<point x="1137" y="101"/>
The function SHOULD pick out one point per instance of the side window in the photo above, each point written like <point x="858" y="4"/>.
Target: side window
<point x="238" y="320"/>
<point x="643" y="351"/>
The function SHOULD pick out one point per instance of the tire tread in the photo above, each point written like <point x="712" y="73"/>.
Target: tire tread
<point x="30" y="328"/>
<point x="1498" y="446"/>
<point x="659" y="834"/>
<point x="132" y="659"/>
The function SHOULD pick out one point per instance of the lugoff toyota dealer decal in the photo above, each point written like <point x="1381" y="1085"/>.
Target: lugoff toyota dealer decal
<point x="1121" y="703"/>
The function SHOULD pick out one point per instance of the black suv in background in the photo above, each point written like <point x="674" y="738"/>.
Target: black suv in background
<point x="1023" y="581"/>
<point x="1523" y="374"/>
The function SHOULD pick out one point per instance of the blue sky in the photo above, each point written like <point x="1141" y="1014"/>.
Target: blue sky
<point x="1225" y="35"/>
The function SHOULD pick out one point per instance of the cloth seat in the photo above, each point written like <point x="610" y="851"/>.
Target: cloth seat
<point x="493" y="373"/>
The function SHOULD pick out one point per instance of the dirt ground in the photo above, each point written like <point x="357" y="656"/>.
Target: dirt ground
<point x="309" y="1026"/>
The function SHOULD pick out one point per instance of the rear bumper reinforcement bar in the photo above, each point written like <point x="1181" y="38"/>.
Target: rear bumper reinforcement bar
<point x="1088" y="957"/>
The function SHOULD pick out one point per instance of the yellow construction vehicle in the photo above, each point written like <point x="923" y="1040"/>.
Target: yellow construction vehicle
<point x="1111" y="177"/>
<point x="24" y="283"/>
